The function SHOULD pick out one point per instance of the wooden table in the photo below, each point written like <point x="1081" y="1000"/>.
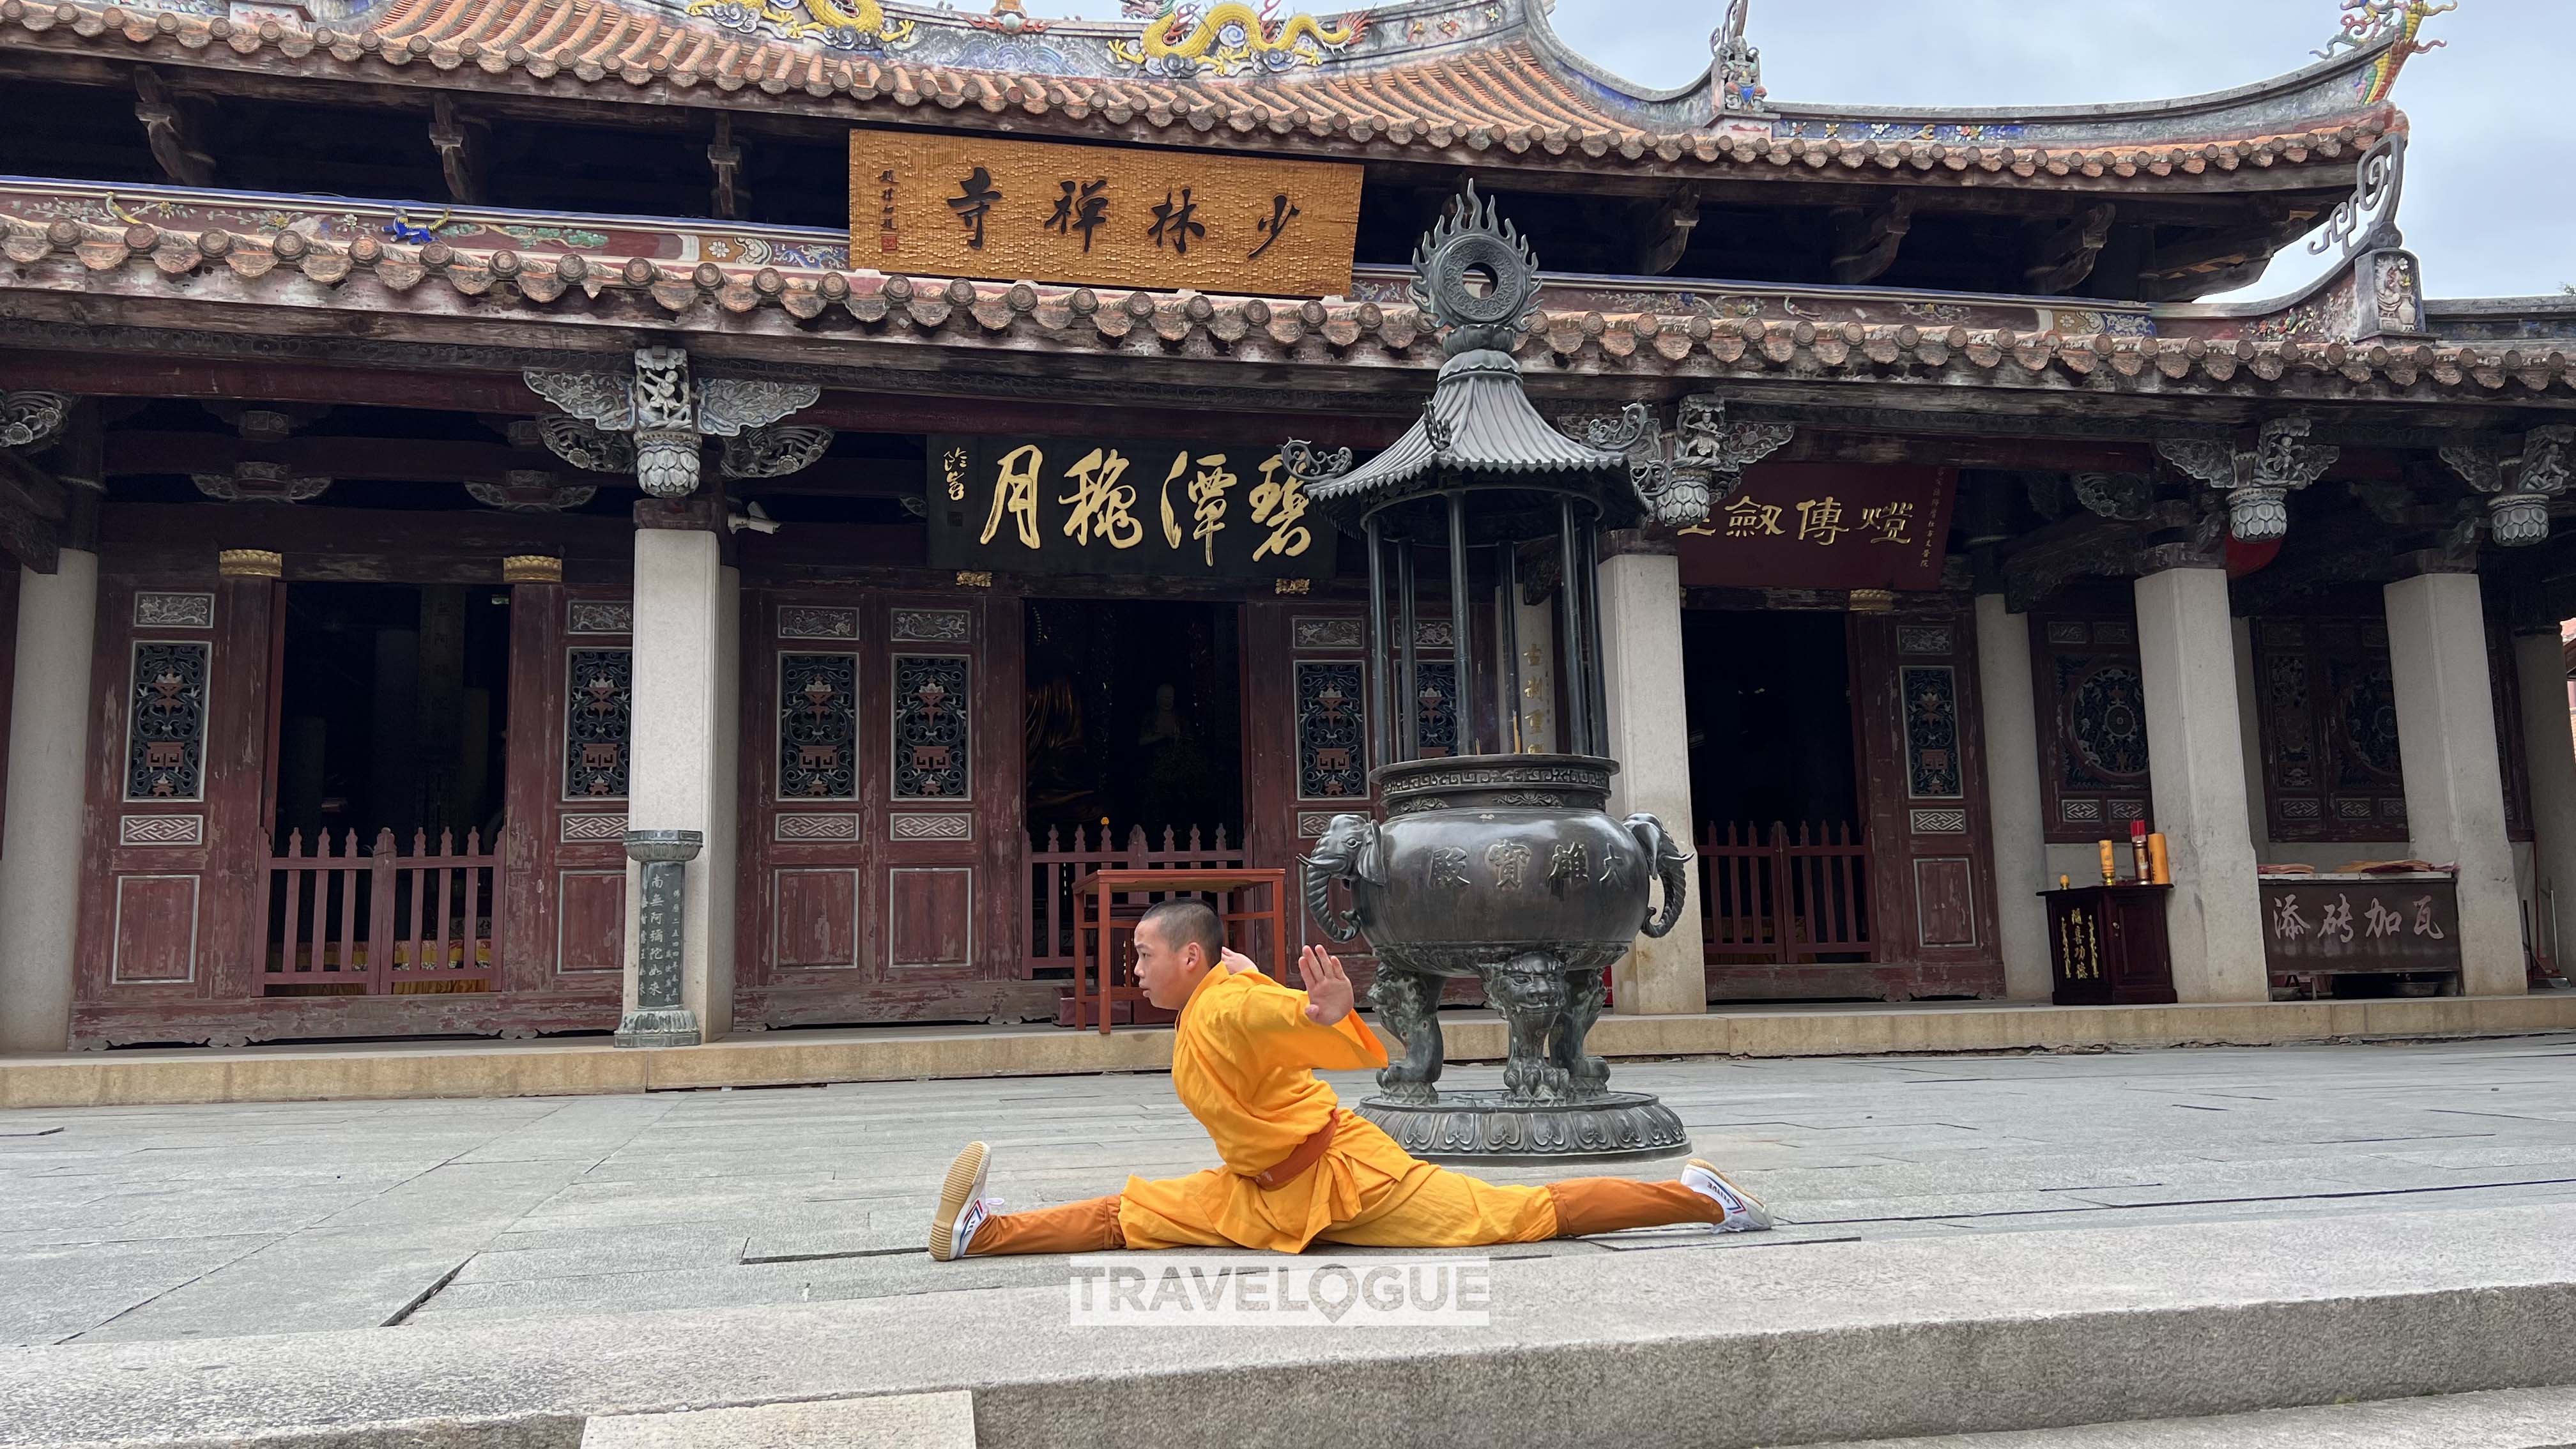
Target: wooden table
<point x="2106" y="945"/>
<point x="1097" y="910"/>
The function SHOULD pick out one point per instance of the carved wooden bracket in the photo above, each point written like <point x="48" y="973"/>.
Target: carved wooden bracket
<point x="1866" y="239"/>
<point x="729" y="196"/>
<point x="460" y="142"/>
<point x="667" y="412"/>
<point x="2060" y="259"/>
<point x="170" y="128"/>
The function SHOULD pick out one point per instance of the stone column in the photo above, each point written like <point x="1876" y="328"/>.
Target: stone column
<point x="2195" y="735"/>
<point x="40" y="844"/>
<point x="2013" y="799"/>
<point x="2446" y="742"/>
<point x="1641" y="644"/>
<point x="2549" y="754"/>
<point x="677" y="779"/>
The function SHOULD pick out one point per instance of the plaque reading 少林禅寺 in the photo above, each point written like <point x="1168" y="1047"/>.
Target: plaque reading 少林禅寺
<point x="1122" y="506"/>
<point x="1045" y="211"/>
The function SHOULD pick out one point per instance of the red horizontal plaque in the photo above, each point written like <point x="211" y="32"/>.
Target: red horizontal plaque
<point x="1825" y="526"/>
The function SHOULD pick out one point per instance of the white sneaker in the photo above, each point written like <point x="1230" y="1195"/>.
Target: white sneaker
<point x="1744" y="1212"/>
<point x="962" y="1204"/>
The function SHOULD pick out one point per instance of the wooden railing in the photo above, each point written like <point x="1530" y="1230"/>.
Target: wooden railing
<point x="1052" y="870"/>
<point x="1786" y="899"/>
<point x="348" y="923"/>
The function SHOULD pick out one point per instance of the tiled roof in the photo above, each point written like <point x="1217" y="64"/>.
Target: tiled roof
<point x="1495" y="102"/>
<point x="1021" y="315"/>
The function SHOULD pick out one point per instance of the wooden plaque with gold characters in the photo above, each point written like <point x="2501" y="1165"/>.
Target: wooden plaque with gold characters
<point x="1120" y="216"/>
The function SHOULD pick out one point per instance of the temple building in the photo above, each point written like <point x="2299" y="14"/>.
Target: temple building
<point x="439" y="437"/>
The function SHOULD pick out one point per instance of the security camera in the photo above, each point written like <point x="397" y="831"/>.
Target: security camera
<point x="753" y="517"/>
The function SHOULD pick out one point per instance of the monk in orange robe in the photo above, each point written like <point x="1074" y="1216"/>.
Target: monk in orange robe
<point x="1299" y="1167"/>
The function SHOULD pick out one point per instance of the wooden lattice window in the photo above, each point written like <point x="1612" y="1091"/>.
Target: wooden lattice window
<point x="818" y="726"/>
<point x="2091" y="697"/>
<point x="2327" y="699"/>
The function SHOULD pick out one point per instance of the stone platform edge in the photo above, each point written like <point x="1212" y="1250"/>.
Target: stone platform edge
<point x="588" y="1067"/>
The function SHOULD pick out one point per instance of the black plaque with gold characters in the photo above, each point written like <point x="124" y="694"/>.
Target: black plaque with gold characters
<point x="1209" y="510"/>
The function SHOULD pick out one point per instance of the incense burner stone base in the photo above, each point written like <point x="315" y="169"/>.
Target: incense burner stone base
<point x="1488" y="1127"/>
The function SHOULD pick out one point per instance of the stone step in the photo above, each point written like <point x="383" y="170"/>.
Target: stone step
<point x="584" y="1066"/>
<point x="894" y="1421"/>
<point x="1702" y="1342"/>
<point x="2497" y="1419"/>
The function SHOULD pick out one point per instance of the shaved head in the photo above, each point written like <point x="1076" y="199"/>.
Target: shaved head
<point x="1187" y="921"/>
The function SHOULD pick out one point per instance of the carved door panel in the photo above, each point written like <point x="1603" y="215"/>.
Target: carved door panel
<point x="571" y="704"/>
<point x="1914" y="690"/>
<point x="1306" y="740"/>
<point x="881" y="785"/>
<point x="171" y="896"/>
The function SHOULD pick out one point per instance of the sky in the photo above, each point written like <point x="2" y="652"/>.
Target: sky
<point x="2490" y="205"/>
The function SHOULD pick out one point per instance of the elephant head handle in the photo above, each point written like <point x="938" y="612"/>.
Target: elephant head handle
<point x="1672" y="867"/>
<point x="1348" y="851"/>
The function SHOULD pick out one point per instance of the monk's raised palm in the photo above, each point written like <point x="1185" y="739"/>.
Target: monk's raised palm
<point x="1328" y="987"/>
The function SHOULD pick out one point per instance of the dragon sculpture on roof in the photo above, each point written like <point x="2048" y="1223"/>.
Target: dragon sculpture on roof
<point x="1187" y="40"/>
<point x="2368" y="22"/>
<point x="840" y="24"/>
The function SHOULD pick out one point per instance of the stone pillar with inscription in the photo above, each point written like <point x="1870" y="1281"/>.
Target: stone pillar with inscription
<point x="1641" y="646"/>
<point x="49" y="739"/>
<point x="655" y="1015"/>
<point x="2187" y="663"/>
<point x="2011" y="721"/>
<point x="2446" y="742"/>
<point x="678" y="778"/>
<point x="2549" y="754"/>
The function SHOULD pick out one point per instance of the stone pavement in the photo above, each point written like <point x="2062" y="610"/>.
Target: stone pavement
<point x="122" y="1225"/>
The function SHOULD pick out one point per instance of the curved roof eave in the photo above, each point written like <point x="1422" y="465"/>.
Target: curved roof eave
<point x="2327" y="87"/>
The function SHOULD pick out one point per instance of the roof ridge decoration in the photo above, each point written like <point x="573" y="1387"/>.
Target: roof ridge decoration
<point x="851" y="25"/>
<point x="1185" y="39"/>
<point x="1735" y="65"/>
<point x="2393" y="23"/>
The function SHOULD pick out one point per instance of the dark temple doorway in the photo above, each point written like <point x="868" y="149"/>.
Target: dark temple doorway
<point x="383" y="876"/>
<point x="1769" y="699"/>
<point x="1134" y="718"/>
<point x="1774" y="783"/>
<point x="391" y="710"/>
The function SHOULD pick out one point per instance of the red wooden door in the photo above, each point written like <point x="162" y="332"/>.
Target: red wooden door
<point x="1914" y="693"/>
<point x="571" y="703"/>
<point x="171" y="893"/>
<point x="1306" y="737"/>
<point x="881" y="809"/>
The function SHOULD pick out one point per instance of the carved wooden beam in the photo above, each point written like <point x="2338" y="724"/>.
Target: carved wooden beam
<point x="729" y="196"/>
<point x="460" y="143"/>
<point x="1866" y="239"/>
<point x="171" y="129"/>
<point x="2062" y="257"/>
<point x="2040" y="563"/>
<point x="1665" y="229"/>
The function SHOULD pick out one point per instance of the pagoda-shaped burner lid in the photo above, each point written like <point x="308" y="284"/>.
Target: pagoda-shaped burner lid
<point x="1474" y="275"/>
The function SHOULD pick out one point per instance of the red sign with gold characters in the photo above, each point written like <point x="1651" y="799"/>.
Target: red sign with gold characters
<point x="1825" y="526"/>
